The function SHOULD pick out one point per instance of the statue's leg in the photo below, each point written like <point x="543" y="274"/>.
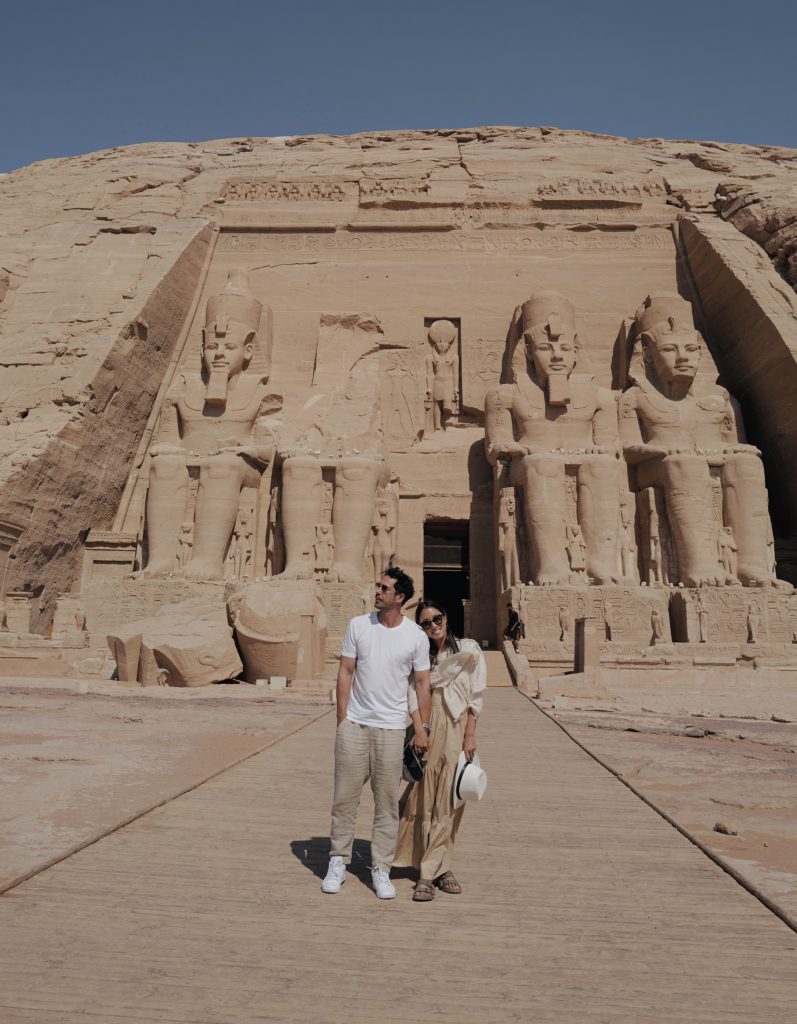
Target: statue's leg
<point x="747" y="514"/>
<point x="543" y="480"/>
<point x="220" y="480"/>
<point x="598" y="514"/>
<point x="690" y="510"/>
<point x="356" y="483"/>
<point x="168" y="486"/>
<point x="301" y="511"/>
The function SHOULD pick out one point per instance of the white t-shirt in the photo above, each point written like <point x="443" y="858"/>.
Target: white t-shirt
<point x="385" y="658"/>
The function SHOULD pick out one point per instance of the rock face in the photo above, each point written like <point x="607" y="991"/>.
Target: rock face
<point x="283" y="357"/>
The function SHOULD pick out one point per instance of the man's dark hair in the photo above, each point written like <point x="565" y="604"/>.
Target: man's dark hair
<point x="402" y="583"/>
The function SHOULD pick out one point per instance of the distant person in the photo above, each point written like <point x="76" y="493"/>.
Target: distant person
<point x="515" y="630"/>
<point x="430" y="816"/>
<point x="380" y="651"/>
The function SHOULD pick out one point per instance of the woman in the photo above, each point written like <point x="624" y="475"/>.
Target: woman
<point x="429" y="822"/>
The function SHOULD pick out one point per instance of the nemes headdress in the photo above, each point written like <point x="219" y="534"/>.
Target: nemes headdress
<point x="662" y="309"/>
<point x="234" y="303"/>
<point x="548" y="309"/>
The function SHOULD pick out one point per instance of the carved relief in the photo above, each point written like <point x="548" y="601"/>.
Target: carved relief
<point x="269" y="190"/>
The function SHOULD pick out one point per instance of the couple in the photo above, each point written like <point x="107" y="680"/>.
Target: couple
<point x="380" y="653"/>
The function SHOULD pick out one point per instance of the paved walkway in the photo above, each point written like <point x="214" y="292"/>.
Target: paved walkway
<point x="580" y="905"/>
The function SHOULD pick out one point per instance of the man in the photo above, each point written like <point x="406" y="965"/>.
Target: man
<point x="515" y="630"/>
<point x="380" y="651"/>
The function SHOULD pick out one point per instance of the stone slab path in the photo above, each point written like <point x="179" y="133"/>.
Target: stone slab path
<point x="581" y="905"/>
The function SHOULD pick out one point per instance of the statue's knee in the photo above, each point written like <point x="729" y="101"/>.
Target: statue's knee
<point x="542" y="466"/>
<point x="224" y="466"/>
<point x="167" y="467"/>
<point x="301" y="468"/>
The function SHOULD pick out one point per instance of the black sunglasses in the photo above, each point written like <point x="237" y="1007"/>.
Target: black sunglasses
<point x="436" y="620"/>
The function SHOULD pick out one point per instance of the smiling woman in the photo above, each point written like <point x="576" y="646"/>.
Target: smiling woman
<point x="430" y="818"/>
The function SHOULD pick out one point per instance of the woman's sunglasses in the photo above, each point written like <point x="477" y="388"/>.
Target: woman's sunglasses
<point x="436" y="620"/>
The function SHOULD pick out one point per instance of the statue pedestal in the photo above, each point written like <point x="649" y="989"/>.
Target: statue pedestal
<point x="731" y="614"/>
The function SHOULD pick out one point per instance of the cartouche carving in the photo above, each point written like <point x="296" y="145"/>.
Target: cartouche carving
<point x="550" y="421"/>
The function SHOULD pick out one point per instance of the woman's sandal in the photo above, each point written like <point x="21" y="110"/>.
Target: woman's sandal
<point x="424" y="892"/>
<point x="447" y="883"/>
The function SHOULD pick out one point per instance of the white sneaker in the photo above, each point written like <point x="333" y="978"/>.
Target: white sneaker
<point x="335" y="876"/>
<point x="383" y="887"/>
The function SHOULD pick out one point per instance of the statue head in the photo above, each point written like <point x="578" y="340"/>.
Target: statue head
<point x="442" y="334"/>
<point x="552" y="344"/>
<point x="231" y="322"/>
<point x="671" y="346"/>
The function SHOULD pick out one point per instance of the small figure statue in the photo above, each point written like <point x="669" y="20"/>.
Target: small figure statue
<point x="184" y="544"/>
<point x="548" y="419"/>
<point x="564" y="623"/>
<point x="242" y="546"/>
<point x="576" y="552"/>
<point x="323" y="548"/>
<point x="657" y="625"/>
<point x="702" y="620"/>
<point x="211" y="421"/>
<point x="628" y="566"/>
<point x="383" y="529"/>
<point x="275" y="554"/>
<point x="442" y="373"/>
<point x="753" y="622"/>
<point x="507" y="541"/>
<point x="772" y="564"/>
<point x="654" y="549"/>
<point x="728" y="555"/>
<point x="675" y="430"/>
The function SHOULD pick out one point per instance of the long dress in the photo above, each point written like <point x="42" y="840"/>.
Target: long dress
<point x="428" y="822"/>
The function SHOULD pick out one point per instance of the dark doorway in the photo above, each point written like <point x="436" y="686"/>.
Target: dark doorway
<point x="446" y="561"/>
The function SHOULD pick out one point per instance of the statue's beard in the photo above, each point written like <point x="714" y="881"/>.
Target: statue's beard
<point x="218" y="382"/>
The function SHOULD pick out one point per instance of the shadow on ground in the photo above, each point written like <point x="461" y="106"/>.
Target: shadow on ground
<point x="314" y="854"/>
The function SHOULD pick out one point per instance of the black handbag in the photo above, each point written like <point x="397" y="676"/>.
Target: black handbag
<point x="412" y="768"/>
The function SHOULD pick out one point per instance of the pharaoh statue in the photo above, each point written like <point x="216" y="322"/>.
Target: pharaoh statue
<point x="211" y="422"/>
<point x="442" y="373"/>
<point x="550" y="420"/>
<point x="677" y="430"/>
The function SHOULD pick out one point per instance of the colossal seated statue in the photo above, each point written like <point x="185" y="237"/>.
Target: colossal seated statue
<point x="552" y="422"/>
<point x="211" y="424"/>
<point x="685" y="437"/>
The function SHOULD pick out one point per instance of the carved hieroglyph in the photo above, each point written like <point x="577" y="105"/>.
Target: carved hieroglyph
<point x="552" y="422"/>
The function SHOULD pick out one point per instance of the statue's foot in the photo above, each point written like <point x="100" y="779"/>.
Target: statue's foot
<point x="603" y="577"/>
<point x="552" y="579"/>
<point x="342" y="574"/>
<point x="295" y="572"/>
<point x="160" y="568"/>
<point x="203" y="569"/>
<point x="710" y="578"/>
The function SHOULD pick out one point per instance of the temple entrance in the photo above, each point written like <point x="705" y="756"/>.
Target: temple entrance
<point x="446" y="561"/>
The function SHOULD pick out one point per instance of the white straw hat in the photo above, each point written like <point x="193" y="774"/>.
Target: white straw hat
<point x="470" y="780"/>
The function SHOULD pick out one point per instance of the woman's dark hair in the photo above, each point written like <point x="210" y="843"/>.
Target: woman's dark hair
<point x="402" y="583"/>
<point x="451" y="643"/>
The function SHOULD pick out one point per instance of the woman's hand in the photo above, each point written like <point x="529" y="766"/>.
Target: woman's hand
<point x="469" y="746"/>
<point x="420" y="742"/>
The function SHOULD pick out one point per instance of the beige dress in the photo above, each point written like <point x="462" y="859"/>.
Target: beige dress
<point x="428" y="822"/>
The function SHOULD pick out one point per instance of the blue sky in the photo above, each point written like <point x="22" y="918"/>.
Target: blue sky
<point x="86" y="75"/>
